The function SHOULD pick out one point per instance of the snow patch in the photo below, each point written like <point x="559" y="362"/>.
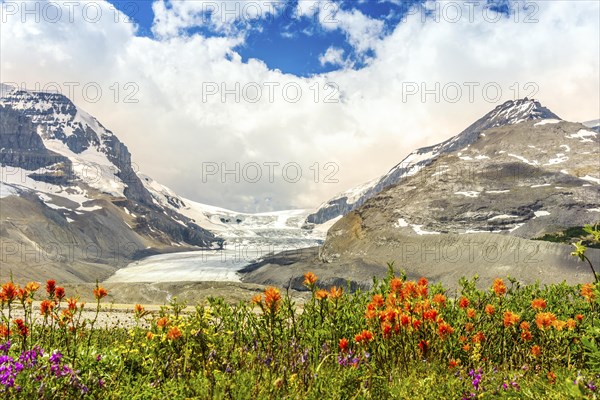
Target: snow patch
<point x="591" y="179"/>
<point x="541" y="213"/>
<point x="468" y="194"/>
<point x="419" y="231"/>
<point x="547" y="121"/>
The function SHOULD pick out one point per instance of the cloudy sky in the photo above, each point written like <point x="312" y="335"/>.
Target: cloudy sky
<point x="269" y="105"/>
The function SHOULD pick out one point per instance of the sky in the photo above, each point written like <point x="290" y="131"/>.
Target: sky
<point x="269" y="105"/>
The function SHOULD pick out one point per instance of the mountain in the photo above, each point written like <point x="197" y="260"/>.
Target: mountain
<point x="474" y="204"/>
<point x="509" y="113"/>
<point x="72" y="206"/>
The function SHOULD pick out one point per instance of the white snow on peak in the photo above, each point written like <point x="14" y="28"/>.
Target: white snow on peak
<point x="547" y="121"/>
<point x="468" y="193"/>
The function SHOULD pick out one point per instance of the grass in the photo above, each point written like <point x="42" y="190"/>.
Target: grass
<point x="401" y="339"/>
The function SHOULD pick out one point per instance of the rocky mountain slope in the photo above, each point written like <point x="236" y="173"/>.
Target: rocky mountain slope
<point x="472" y="204"/>
<point x="72" y="206"/>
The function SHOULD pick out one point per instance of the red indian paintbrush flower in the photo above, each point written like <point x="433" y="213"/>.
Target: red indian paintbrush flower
<point x="510" y="319"/>
<point x="587" y="291"/>
<point x="343" y="345"/>
<point x="174" y="333"/>
<point x="439" y="299"/>
<point x="499" y="287"/>
<point x="50" y="287"/>
<point x="46" y="307"/>
<point x="309" y="279"/>
<point x="100" y="293"/>
<point x="538" y="304"/>
<point x="60" y="293"/>
<point x="463" y="302"/>
<point x="9" y="291"/>
<point x="544" y="320"/>
<point x="272" y="298"/>
<point x="21" y="327"/>
<point x="536" y="351"/>
<point x="490" y="309"/>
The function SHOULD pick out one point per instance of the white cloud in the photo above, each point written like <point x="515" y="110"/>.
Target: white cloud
<point x="362" y="31"/>
<point x="174" y="129"/>
<point x="333" y="56"/>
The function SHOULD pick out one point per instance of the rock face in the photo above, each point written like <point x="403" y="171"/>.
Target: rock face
<point x="471" y="205"/>
<point x="74" y="179"/>
<point x="509" y="113"/>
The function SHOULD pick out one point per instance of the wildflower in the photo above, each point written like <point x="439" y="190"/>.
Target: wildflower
<point x="579" y="317"/>
<point x="490" y="309"/>
<point x="471" y="313"/>
<point x="32" y="287"/>
<point x="272" y="298"/>
<point x="478" y="337"/>
<point x="526" y="336"/>
<point x="149" y="335"/>
<point x="430" y="315"/>
<point x="453" y="363"/>
<point x="445" y="330"/>
<point x="571" y="323"/>
<point x="525" y="326"/>
<point x="174" y="333"/>
<point x="72" y="303"/>
<point x="551" y="377"/>
<point x="321" y="294"/>
<point x="469" y="327"/>
<point x="466" y="347"/>
<point x="587" y="291"/>
<point x="257" y="299"/>
<point x="335" y="292"/>
<point x="22" y="328"/>
<point x="9" y="291"/>
<point x="4" y="332"/>
<point x="439" y="299"/>
<point x="559" y="325"/>
<point x="544" y="320"/>
<point x="309" y="279"/>
<point x="409" y="290"/>
<point x="404" y="320"/>
<point x="377" y="300"/>
<point x="162" y="322"/>
<point x="396" y="285"/>
<point x="416" y="324"/>
<point x="510" y="318"/>
<point x="50" y="287"/>
<point x="100" y="293"/>
<point x="424" y="346"/>
<point x="538" y="304"/>
<point x="343" y="345"/>
<point x="370" y="313"/>
<point x="499" y="287"/>
<point x="60" y="293"/>
<point x="463" y="302"/>
<point x="364" y="336"/>
<point x="536" y="351"/>
<point x="46" y="307"/>
<point x="387" y="330"/>
<point x="139" y="310"/>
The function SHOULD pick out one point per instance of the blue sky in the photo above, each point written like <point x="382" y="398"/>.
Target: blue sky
<point x="286" y="42"/>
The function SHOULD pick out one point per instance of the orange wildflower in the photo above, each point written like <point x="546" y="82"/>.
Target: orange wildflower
<point x="538" y="304"/>
<point x="424" y="346"/>
<point x="466" y="347"/>
<point x="50" y="287"/>
<point x="162" y="322"/>
<point x="551" y="377"/>
<point x="72" y="304"/>
<point x="559" y="325"/>
<point x="536" y="351"/>
<point x="463" y="302"/>
<point x="32" y="287"/>
<point x="257" y="299"/>
<point x="377" y="300"/>
<point x="587" y="291"/>
<point x="525" y="326"/>
<point x="396" y="285"/>
<point x="9" y="290"/>
<point x="272" y="298"/>
<point x="471" y="313"/>
<point x="60" y="293"/>
<point x="430" y="315"/>
<point x="571" y="323"/>
<point x="490" y="309"/>
<point x="22" y="328"/>
<point x="387" y="330"/>
<point x="544" y="320"/>
<point x="416" y="324"/>
<point x="343" y="345"/>
<point x="409" y="290"/>
<point x="100" y="293"/>
<point x="469" y="327"/>
<point x="149" y="335"/>
<point x="309" y="279"/>
<point x="404" y="320"/>
<point x="579" y="317"/>
<point x="445" y="330"/>
<point x="4" y="332"/>
<point x="499" y="287"/>
<point x="478" y="337"/>
<point x="321" y="294"/>
<point x="439" y="299"/>
<point x="453" y="363"/>
<point x="462" y="339"/>
<point x="335" y="292"/>
<point x="510" y="318"/>
<point x="526" y="336"/>
<point x="174" y="333"/>
<point x="423" y="282"/>
<point x="46" y="307"/>
<point x="364" y="336"/>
